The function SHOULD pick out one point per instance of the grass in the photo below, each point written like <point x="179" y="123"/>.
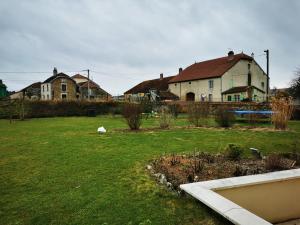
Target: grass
<point x="60" y="171"/>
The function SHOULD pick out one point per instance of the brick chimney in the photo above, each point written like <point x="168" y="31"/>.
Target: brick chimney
<point x="161" y="76"/>
<point x="54" y="71"/>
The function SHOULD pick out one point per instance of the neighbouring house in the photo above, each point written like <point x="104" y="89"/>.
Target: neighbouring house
<point x="32" y="92"/>
<point x="59" y="87"/>
<point x="3" y="90"/>
<point x="96" y="92"/>
<point x="153" y="90"/>
<point x="236" y="77"/>
<point x="119" y="98"/>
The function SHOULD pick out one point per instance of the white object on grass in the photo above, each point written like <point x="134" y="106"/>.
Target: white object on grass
<point x="101" y="130"/>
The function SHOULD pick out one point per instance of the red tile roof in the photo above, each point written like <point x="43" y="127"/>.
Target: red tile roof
<point x="210" y="68"/>
<point x="79" y="76"/>
<point x="92" y="84"/>
<point x="145" y="86"/>
<point x="241" y="89"/>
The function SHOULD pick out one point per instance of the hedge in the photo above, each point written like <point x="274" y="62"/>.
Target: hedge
<point x="37" y="109"/>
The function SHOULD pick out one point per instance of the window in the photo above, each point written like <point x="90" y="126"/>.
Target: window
<point x="229" y="98"/>
<point x="64" y="96"/>
<point x="211" y="84"/>
<point x="63" y="87"/>
<point x="47" y="87"/>
<point x="48" y="97"/>
<point x="210" y="97"/>
<point x="263" y="84"/>
<point x="43" y="96"/>
<point x="190" y="82"/>
<point x="236" y="98"/>
<point x="43" y="88"/>
<point x="175" y="85"/>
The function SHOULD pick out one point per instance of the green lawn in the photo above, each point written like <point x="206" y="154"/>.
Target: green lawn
<point x="60" y="171"/>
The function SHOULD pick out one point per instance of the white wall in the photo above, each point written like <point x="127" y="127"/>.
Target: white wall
<point x="198" y="87"/>
<point x="46" y="94"/>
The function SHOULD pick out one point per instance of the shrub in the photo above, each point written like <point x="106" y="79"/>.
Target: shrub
<point x="282" y="108"/>
<point x="165" y="117"/>
<point x="133" y="115"/>
<point x="224" y="117"/>
<point x="198" y="113"/>
<point x="274" y="162"/>
<point x="234" y="152"/>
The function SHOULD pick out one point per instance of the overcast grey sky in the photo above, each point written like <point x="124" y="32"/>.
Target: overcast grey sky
<point x="127" y="41"/>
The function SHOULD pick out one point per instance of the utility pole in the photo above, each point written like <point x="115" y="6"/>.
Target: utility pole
<point x="88" y="89"/>
<point x="268" y="75"/>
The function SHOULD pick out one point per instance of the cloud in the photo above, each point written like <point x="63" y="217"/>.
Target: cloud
<point x="126" y="42"/>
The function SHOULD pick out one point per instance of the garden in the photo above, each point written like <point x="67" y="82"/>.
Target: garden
<point x="59" y="170"/>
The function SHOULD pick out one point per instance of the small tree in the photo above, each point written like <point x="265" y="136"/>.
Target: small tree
<point x="165" y="117"/>
<point x="282" y="108"/>
<point x="133" y="115"/>
<point x="198" y="113"/>
<point x="224" y="117"/>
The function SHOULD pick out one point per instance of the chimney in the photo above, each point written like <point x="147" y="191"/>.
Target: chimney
<point x="161" y="76"/>
<point x="230" y="55"/>
<point x="252" y="55"/>
<point x="54" y="71"/>
<point x="180" y="70"/>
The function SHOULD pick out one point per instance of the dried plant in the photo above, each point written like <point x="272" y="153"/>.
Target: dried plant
<point x="198" y="113"/>
<point x="165" y="117"/>
<point x="274" y="162"/>
<point x="174" y="159"/>
<point x="197" y="164"/>
<point x="133" y="115"/>
<point x="282" y="108"/>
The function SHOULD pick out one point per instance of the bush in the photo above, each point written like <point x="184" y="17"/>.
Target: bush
<point x="198" y="113"/>
<point x="234" y="152"/>
<point x="175" y="109"/>
<point x="165" y="117"/>
<point x="224" y="117"/>
<point x="282" y="108"/>
<point x="37" y="109"/>
<point x="133" y="115"/>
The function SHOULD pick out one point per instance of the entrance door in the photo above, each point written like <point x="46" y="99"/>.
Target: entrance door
<point x="190" y="96"/>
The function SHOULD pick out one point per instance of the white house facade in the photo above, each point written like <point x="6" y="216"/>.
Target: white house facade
<point x="231" y="78"/>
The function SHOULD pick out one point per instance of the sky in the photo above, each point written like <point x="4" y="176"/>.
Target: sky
<point x="124" y="42"/>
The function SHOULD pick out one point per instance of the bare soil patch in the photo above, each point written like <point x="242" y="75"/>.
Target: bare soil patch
<point x="173" y="170"/>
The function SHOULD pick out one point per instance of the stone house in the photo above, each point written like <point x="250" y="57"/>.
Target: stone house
<point x="96" y="92"/>
<point x="59" y="87"/>
<point x="230" y="78"/>
<point x="153" y="90"/>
